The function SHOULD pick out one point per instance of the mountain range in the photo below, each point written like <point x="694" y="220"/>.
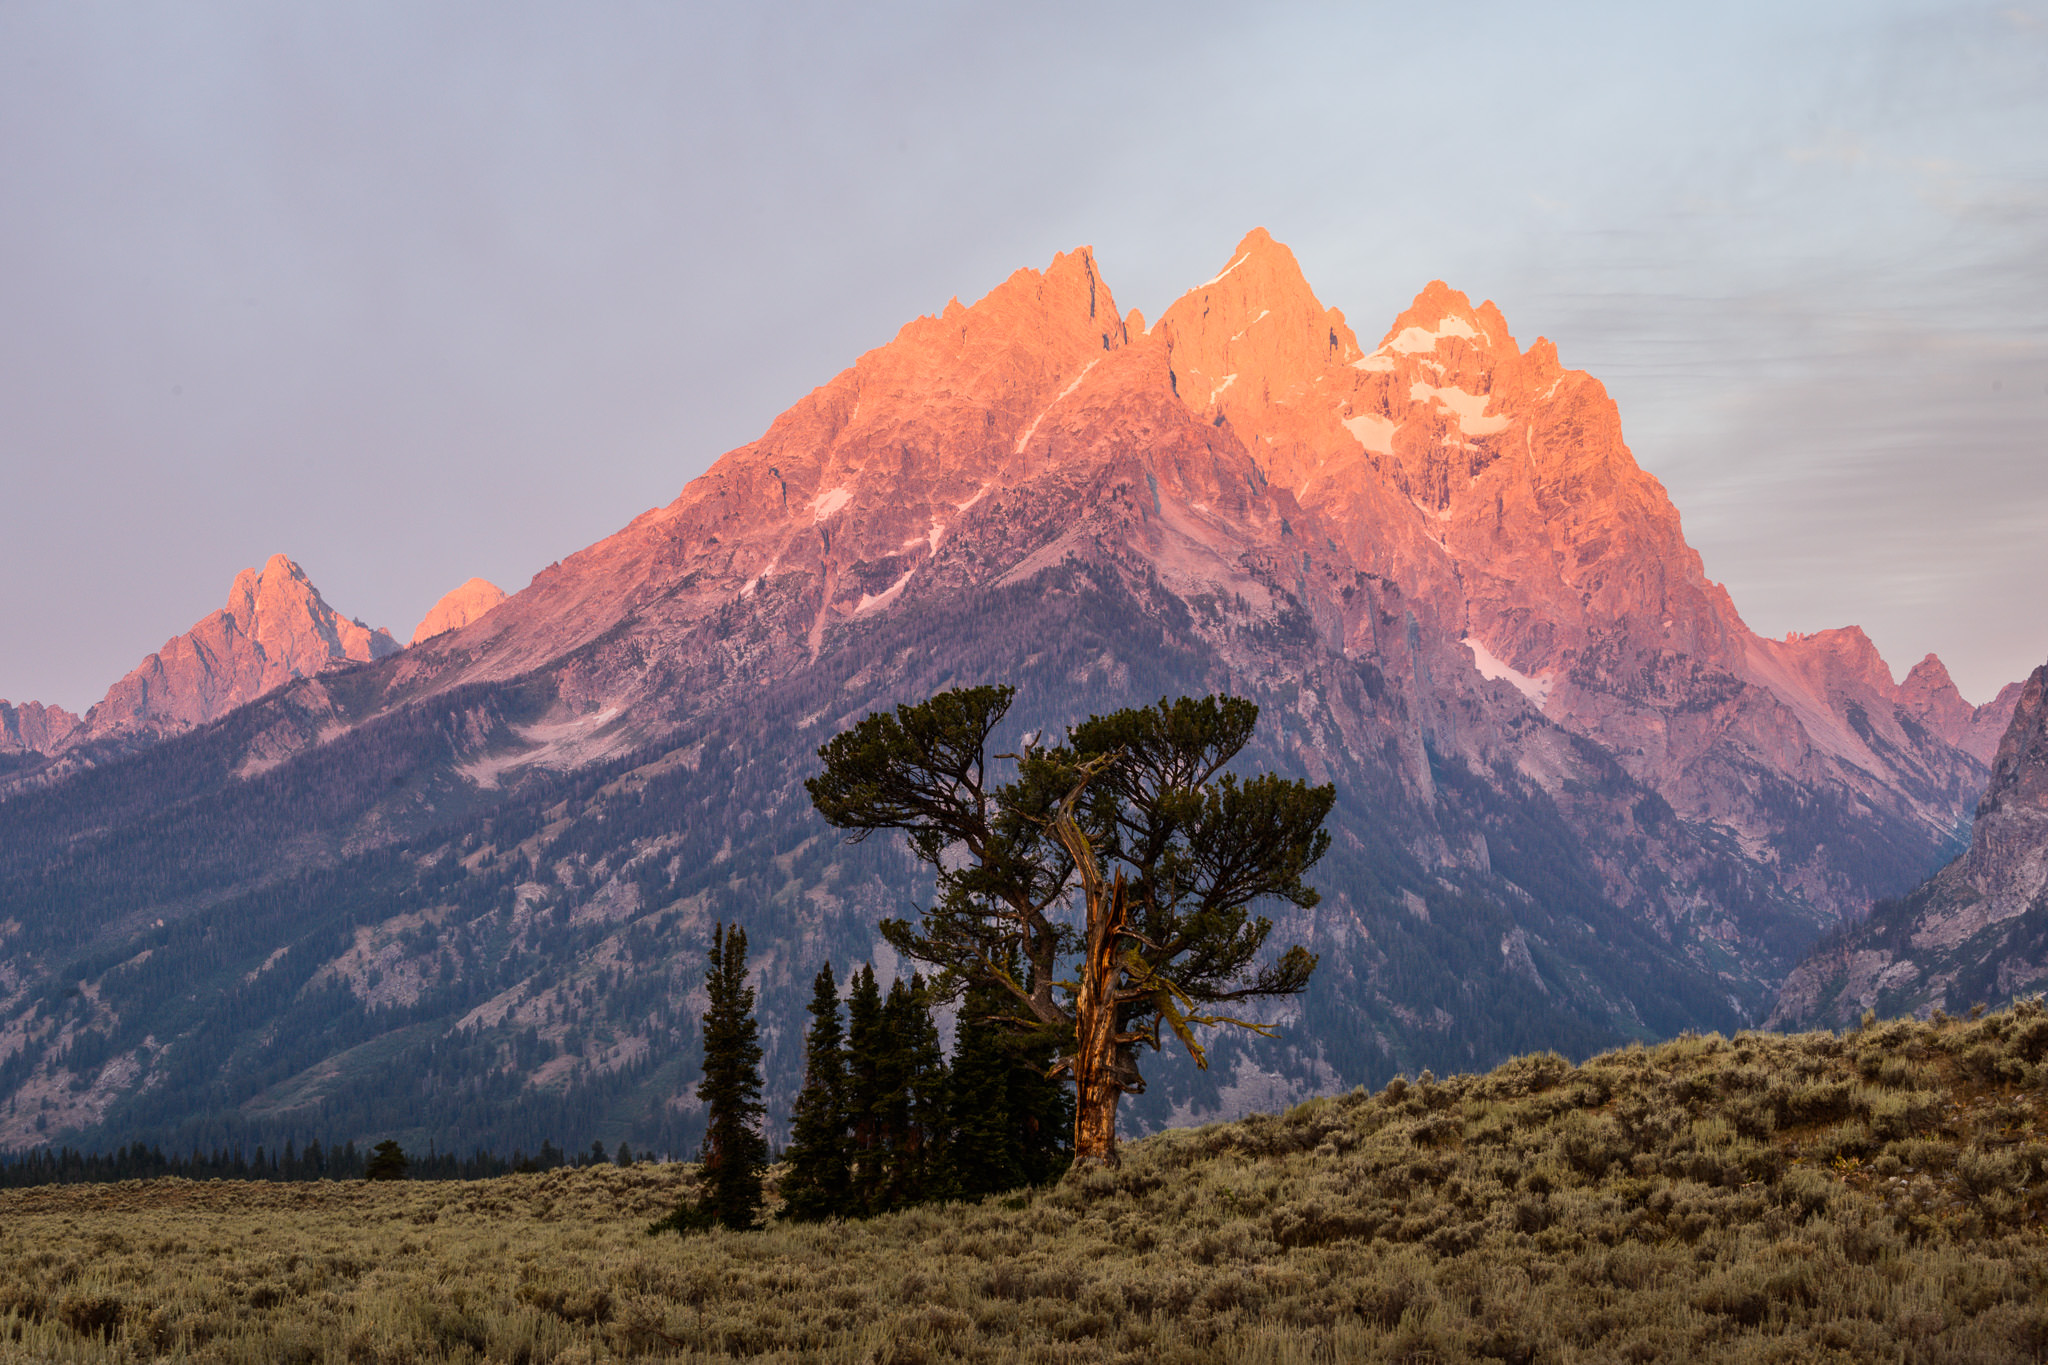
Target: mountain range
<point x="461" y="890"/>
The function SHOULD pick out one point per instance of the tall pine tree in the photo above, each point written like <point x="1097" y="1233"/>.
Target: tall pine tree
<point x="985" y="1151"/>
<point x="911" y="1089"/>
<point x="735" y="1152"/>
<point x="1041" y="1108"/>
<point x="866" y="1045"/>
<point x="818" y="1183"/>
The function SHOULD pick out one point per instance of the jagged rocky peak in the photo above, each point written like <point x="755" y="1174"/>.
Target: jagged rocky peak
<point x="299" y="634"/>
<point x="969" y="381"/>
<point x="1253" y="334"/>
<point x="458" y="608"/>
<point x="1842" y="659"/>
<point x="275" y="627"/>
<point x="33" y="727"/>
<point x="1440" y="318"/>
<point x="1933" y="698"/>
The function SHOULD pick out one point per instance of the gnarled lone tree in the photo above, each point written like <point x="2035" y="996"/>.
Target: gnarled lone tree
<point x="1135" y="812"/>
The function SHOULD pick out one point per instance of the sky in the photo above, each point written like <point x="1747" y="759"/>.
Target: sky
<point x="414" y="292"/>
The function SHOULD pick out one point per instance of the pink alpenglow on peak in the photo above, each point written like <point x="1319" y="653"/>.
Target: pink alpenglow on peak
<point x="33" y="727"/>
<point x="459" y="608"/>
<point x="275" y="627"/>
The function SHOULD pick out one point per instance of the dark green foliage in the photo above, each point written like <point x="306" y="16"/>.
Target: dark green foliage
<point x="818" y="1181"/>
<point x="1201" y="844"/>
<point x="884" y="1123"/>
<point x="866" y="1065"/>
<point x="895" y="1096"/>
<point x="735" y="1154"/>
<point x="986" y="1156"/>
<point x="67" y="1166"/>
<point x="909" y="1103"/>
<point x="387" y="1162"/>
<point x="1012" y="1124"/>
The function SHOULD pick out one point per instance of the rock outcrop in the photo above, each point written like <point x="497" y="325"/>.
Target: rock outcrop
<point x="274" y="629"/>
<point x="1977" y="932"/>
<point x="458" y="608"/>
<point x="34" y="728"/>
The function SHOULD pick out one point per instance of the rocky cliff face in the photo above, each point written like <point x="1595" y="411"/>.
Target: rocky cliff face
<point x="275" y="628"/>
<point x="1578" y="801"/>
<point x="1977" y="931"/>
<point x="34" y="728"/>
<point x="458" y="608"/>
<point x="1494" y="486"/>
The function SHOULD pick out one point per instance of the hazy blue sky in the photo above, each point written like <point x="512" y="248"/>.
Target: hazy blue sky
<point x="418" y="291"/>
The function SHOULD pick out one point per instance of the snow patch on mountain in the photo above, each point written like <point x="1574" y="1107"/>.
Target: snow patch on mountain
<point x="1413" y="339"/>
<point x="876" y="601"/>
<point x="1469" y="408"/>
<point x="1374" y="432"/>
<point x="1490" y="666"/>
<point x="1225" y="271"/>
<point x="560" y="745"/>
<point x="1032" y="429"/>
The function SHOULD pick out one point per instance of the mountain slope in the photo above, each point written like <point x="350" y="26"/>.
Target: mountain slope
<point x="1977" y="931"/>
<point x="463" y="891"/>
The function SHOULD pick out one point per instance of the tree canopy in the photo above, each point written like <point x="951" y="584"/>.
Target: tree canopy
<point x="1135" y="817"/>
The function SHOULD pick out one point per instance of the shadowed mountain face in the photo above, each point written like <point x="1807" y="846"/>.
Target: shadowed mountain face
<point x="1976" y="932"/>
<point x="463" y="892"/>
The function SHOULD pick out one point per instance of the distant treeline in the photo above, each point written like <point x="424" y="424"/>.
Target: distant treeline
<point x="68" y="1166"/>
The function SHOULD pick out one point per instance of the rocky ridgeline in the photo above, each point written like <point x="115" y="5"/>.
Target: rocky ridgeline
<point x="1977" y="931"/>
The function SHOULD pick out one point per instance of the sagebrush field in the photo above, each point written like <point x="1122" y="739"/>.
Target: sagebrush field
<point x="1881" y="1195"/>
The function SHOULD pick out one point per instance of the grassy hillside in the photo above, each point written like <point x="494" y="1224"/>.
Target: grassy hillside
<point x="1881" y="1195"/>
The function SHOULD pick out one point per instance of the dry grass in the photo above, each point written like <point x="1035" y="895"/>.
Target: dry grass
<point x="1880" y="1196"/>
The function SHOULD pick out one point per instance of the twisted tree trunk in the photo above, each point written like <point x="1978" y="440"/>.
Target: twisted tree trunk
<point x="1098" y="1077"/>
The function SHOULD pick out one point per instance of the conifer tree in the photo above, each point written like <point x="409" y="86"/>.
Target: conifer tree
<point x="985" y="1155"/>
<point x="1012" y="1122"/>
<point x="865" y="1044"/>
<point x="911" y="1109"/>
<point x="387" y="1162"/>
<point x="735" y="1153"/>
<point x="891" y="1104"/>
<point x="818" y="1183"/>
<point x="1041" y="1108"/>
